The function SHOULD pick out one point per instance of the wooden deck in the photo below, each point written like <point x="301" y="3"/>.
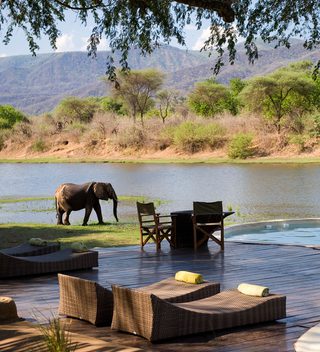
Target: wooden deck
<point x="290" y="270"/>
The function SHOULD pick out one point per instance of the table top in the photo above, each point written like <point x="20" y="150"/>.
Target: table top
<point x="189" y="212"/>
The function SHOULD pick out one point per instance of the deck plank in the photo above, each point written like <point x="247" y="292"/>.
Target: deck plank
<point x="290" y="270"/>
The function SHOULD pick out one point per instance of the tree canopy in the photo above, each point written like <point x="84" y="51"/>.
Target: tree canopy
<point x="137" y="90"/>
<point x="9" y="116"/>
<point x="281" y="93"/>
<point x="209" y="98"/>
<point x="146" y="24"/>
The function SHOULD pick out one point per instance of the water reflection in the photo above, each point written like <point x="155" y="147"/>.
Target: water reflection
<point x="255" y="191"/>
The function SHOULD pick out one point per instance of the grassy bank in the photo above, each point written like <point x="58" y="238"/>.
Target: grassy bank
<point x="109" y="235"/>
<point x="182" y="160"/>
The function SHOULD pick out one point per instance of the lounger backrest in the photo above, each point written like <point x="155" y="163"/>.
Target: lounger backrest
<point x="132" y="308"/>
<point x="85" y="299"/>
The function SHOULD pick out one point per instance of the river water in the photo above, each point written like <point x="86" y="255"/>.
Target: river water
<point x="254" y="192"/>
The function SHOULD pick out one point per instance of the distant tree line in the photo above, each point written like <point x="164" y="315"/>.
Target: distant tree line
<point x="286" y="101"/>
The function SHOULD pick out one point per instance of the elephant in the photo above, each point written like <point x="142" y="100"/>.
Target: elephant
<point x="70" y="196"/>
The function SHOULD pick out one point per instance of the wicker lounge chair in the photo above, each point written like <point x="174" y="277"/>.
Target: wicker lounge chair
<point x="63" y="260"/>
<point x="87" y="300"/>
<point x="26" y="249"/>
<point x="149" y="316"/>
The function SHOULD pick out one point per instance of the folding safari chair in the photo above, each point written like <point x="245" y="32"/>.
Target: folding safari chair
<point x="207" y="218"/>
<point x="154" y="226"/>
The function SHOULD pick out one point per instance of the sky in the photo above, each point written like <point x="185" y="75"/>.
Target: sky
<point x="75" y="36"/>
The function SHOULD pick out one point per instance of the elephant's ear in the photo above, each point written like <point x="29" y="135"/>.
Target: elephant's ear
<point x="89" y="186"/>
<point x="99" y="190"/>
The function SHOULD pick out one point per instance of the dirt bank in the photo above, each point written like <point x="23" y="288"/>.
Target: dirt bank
<point x="102" y="152"/>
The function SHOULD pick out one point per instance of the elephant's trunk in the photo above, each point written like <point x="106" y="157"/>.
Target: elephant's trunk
<point x="115" y="207"/>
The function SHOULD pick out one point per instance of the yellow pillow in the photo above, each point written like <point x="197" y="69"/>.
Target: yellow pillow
<point x="253" y="290"/>
<point x="37" y="242"/>
<point x="187" y="276"/>
<point x="79" y="247"/>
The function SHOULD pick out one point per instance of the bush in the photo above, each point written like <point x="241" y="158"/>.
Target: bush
<point x="215" y="135"/>
<point x="193" y="137"/>
<point x="74" y="109"/>
<point x="298" y="140"/>
<point x="240" y="146"/>
<point x="314" y="122"/>
<point x="39" y="145"/>
<point x="9" y="116"/>
<point x="131" y="137"/>
<point x="3" y="138"/>
<point x="109" y="104"/>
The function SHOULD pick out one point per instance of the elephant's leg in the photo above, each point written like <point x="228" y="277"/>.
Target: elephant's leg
<point x="97" y="209"/>
<point x="86" y="215"/>
<point x="66" y="219"/>
<point x="60" y="213"/>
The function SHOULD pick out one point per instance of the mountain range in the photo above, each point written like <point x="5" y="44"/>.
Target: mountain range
<point x="36" y="84"/>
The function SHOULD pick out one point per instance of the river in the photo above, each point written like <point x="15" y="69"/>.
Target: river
<point x="254" y="192"/>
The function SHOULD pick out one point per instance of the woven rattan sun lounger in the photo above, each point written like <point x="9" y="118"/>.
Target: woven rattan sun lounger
<point x="26" y="249"/>
<point x="63" y="260"/>
<point x="87" y="300"/>
<point x="147" y="315"/>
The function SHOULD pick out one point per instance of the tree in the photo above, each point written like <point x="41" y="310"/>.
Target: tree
<point x="280" y="93"/>
<point x="209" y="98"/>
<point x="167" y="98"/>
<point x="9" y="116"/>
<point x="137" y="89"/>
<point x="234" y="103"/>
<point x="112" y="105"/>
<point x="73" y="109"/>
<point x="145" y="24"/>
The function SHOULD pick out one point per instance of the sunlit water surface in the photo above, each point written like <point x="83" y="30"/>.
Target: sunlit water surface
<point x="254" y="192"/>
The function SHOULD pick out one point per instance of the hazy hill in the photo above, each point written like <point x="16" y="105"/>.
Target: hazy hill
<point x="37" y="84"/>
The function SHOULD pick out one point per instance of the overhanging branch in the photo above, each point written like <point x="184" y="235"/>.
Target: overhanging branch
<point x="222" y="7"/>
<point x="83" y="8"/>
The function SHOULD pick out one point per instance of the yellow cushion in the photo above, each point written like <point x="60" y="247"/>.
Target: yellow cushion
<point x="187" y="276"/>
<point x="79" y="247"/>
<point x="253" y="290"/>
<point x="37" y="242"/>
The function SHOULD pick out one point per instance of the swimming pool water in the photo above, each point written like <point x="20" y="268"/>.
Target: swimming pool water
<point x="291" y="232"/>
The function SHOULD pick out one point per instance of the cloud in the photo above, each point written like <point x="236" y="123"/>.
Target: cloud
<point x="66" y="42"/>
<point x="102" y="46"/>
<point x="202" y="38"/>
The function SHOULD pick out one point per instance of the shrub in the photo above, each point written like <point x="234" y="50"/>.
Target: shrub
<point x="298" y="140"/>
<point x="3" y="138"/>
<point x="193" y="137"/>
<point x="314" y="122"/>
<point x="240" y="146"/>
<point x="109" y="104"/>
<point x="131" y="137"/>
<point x="188" y="137"/>
<point x="39" y="145"/>
<point x="73" y="109"/>
<point x="9" y="116"/>
<point x="215" y="135"/>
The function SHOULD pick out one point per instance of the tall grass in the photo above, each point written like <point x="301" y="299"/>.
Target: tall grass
<point x="56" y="337"/>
